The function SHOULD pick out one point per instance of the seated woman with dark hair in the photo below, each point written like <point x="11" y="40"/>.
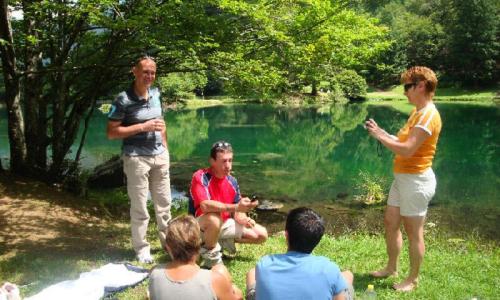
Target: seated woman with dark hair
<point x="182" y="278"/>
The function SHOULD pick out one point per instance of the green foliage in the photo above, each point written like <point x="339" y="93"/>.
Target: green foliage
<point x="178" y="86"/>
<point x="105" y="108"/>
<point x="417" y="39"/>
<point x="474" y="45"/>
<point x="290" y="45"/>
<point x="459" y="42"/>
<point x="179" y="206"/>
<point x="371" y="189"/>
<point x="352" y="85"/>
<point x="252" y="78"/>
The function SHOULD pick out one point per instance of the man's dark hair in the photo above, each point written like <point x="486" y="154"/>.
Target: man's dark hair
<point x="220" y="147"/>
<point x="305" y="228"/>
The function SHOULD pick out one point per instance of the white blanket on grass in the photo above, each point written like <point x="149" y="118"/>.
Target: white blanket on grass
<point x="92" y="285"/>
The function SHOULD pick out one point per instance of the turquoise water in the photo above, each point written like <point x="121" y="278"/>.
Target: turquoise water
<point x="313" y="154"/>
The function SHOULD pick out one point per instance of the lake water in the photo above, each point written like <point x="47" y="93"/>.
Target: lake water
<point x="313" y="154"/>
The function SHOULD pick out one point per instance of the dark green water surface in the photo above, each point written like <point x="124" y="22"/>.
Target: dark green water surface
<point x="313" y="154"/>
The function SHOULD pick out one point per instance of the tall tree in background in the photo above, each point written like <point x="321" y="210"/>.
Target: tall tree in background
<point x="417" y="39"/>
<point x="474" y="46"/>
<point x="292" y="44"/>
<point x="459" y="39"/>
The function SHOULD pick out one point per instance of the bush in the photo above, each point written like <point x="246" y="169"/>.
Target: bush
<point x="336" y="94"/>
<point x="371" y="189"/>
<point x="349" y="84"/>
<point x="177" y="86"/>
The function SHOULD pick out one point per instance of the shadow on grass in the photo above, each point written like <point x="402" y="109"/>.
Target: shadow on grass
<point x="238" y="259"/>
<point x="362" y="280"/>
<point x="48" y="236"/>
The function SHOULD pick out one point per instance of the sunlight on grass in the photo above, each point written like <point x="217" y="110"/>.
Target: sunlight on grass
<point x="452" y="269"/>
<point x="442" y="94"/>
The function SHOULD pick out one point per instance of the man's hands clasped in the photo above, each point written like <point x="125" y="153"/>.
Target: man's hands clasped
<point x="154" y="125"/>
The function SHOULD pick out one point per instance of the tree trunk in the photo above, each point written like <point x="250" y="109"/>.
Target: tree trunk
<point x="314" y="89"/>
<point x="64" y="129"/>
<point x="36" y="127"/>
<point x="12" y="94"/>
<point x="58" y="135"/>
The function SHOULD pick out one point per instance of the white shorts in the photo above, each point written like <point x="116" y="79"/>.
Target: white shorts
<point x="230" y="229"/>
<point x="412" y="193"/>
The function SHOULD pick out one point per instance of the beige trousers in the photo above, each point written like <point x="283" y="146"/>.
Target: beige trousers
<point x="147" y="173"/>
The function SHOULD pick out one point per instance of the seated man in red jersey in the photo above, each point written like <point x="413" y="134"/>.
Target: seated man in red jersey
<point x="216" y="202"/>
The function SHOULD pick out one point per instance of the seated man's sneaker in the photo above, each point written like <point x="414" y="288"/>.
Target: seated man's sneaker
<point x="229" y="246"/>
<point x="145" y="258"/>
<point x="211" y="257"/>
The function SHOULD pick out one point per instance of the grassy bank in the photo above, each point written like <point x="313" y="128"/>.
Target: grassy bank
<point x="49" y="236"/>
<point x="453" y="268"/>
<point x="391" y="96"/>
<point x="442" y="94"/>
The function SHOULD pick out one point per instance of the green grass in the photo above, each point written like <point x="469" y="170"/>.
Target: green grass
<point x="401" y="105"/>
<point x="198" y="103"/>
<point x="442" y="94"/>
<point x="452" y="269"/>
<point x="397" y="100"/>
<point x="212" y="101"/>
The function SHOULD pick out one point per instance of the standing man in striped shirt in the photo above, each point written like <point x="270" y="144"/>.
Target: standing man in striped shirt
<point x="216" y="202"/>
<point x="414" y="182"/>
<point x="136" y="117"/>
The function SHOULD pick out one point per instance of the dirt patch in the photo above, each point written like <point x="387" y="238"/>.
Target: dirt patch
<point x="36" y="218"/>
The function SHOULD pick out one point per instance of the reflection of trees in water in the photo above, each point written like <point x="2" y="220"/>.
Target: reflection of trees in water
<point x="303" y="152"/>
<point x="185" y="131"/>
<point x="307" y="142"/>
<point x="360" y="152"/>
<point x="467" y="160"/>
<point x="347" y="117"/>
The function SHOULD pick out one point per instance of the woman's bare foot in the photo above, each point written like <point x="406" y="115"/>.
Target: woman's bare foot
<point x="384" y="273"/>
<point x="405" y="286"/>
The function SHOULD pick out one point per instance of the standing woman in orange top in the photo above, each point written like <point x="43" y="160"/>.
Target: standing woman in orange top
<point x="414" y="182"/>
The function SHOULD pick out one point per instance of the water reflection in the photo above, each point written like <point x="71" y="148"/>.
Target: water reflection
<point x="313" y="154"/>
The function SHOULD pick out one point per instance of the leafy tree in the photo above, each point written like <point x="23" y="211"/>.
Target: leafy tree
<point x="474" y="46"/>
<point x="458" y="39"/>
<point x="62" y="56"/>
<point x="417" y="39"/>
<point x="289" y="45"/>
<point x="177" y="86"/>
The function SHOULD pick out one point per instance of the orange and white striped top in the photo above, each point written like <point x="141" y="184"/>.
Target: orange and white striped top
<point x="429" y="120"/>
